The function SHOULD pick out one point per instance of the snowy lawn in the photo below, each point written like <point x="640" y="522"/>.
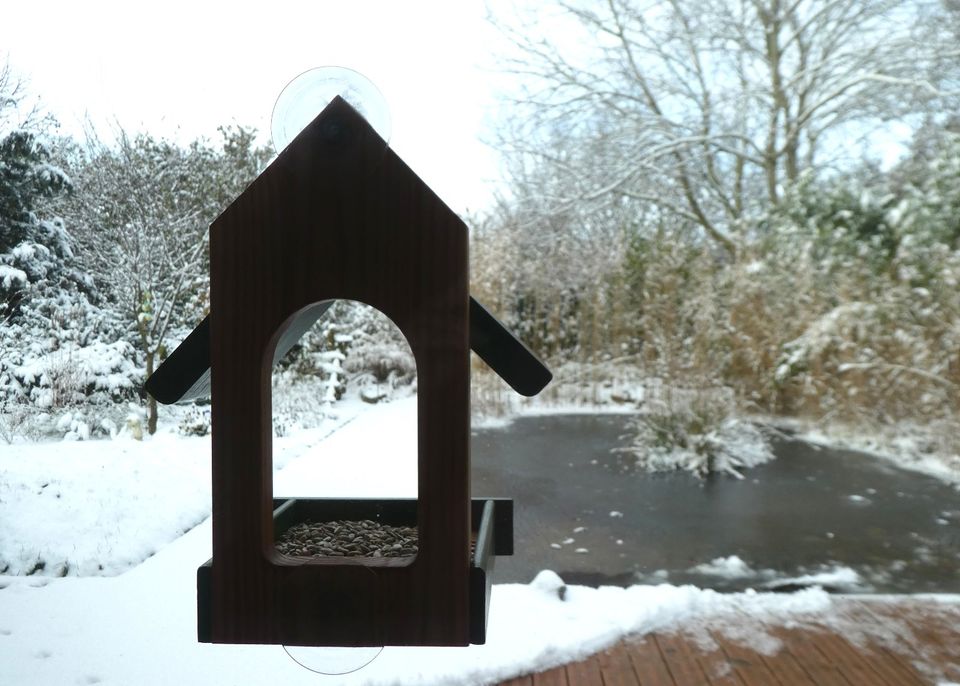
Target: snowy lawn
<point x="121" y="500"/>
<point x="99" y="508"/>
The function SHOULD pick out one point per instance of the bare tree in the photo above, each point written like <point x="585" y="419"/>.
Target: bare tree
<point x="18" y="109"/>
<point x="705" y="110"/>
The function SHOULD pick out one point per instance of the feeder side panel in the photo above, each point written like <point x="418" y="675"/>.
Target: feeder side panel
<point x="338" y="216"/>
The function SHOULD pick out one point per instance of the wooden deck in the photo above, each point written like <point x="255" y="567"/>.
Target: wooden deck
<point x="868" y="642"/>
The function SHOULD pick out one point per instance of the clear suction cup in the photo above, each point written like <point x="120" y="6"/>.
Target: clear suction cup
<point x="305" y="97"/>
<point x="332" y="661"/>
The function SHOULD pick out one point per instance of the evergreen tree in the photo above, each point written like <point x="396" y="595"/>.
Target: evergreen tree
<point x="34" y="253"/>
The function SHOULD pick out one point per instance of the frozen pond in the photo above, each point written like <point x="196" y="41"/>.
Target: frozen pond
<point x="859" y="523"/>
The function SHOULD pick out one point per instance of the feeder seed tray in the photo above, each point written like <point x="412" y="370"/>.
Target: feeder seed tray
<point x="348" y="538"/>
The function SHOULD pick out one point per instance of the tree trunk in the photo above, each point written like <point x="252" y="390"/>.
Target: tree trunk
<point x="151" y="402"/>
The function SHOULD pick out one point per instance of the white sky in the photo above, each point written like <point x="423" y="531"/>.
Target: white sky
<point x="180" y="69"/>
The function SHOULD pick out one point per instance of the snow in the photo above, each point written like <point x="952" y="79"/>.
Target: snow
<point x="10" y="276"/>
<point x="125" y="629"/>
<point x="834" y="577"/>
<point x="730" y="447"/>
<point x="124" y="501"/>
<point x="375" y="456"/>
<point x="102" y="507"/>
<point x="86" y="515"/>
<point x="842" y="578"/>
<point x="923" y="449"/>
<point x="731" y="567"/>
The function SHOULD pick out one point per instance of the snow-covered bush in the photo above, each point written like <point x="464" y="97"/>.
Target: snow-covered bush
<point x="353" y="346"/>
<point x="878" y="315"/>
<point x="683" y="442"/>
<point x="352" y="349"/>
<point x="694" y="430"/>
<point x="379" y="354"/>
<point x="17" y="421"/>
<point x="70" y="374"/>
<point x="300" y="401"/>
<point x="61" y="365"/>
<point x="72" y="392"/>
<point x="195" y="422"/>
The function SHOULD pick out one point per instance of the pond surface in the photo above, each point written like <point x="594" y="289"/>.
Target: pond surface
<point x="583" y="512"/>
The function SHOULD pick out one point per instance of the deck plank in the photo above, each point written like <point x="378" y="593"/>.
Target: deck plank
<point x="525" y="680"/>
<point x="714" y="662"/>
<point x="847" y="661"/>
<point x="908" y="642"/>
<point x="585" y="673"/>
<point x="616" y="667"/>
<point x="683" y="665"/>
<point x="552" y="677"/>
<point x="797" y="644"/>
<point x="648" y="663"/>
<point x="930" y="632"/>
<point x="892" y="664"/>
<point x="752" y="668"/>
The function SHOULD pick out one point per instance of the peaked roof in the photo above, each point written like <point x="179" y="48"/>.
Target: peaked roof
<point x="185" y="374"/>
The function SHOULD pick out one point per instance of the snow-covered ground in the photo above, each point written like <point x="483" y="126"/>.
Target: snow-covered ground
<point x="82" y="508"/>
<point x="924" y="449"/>
<point x="122" y="502"/>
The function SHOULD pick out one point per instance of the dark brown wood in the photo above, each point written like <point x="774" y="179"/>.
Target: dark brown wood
<point x="851" y="665"/>
<point x="337" y="216"/>
<point x="552" y="677"/>
<point x="683" y="666"/>
<point x="490" y="518"/>
<point x="185" y="375"/>
<point x="648" y="662"/>
<point x="525" y="680"/>
<point x="616" y="667"/>
<point x="925" y="652"/>
<point x="583" y="672"/>
<point x="787" y="670"/>
<point x="506" y="354"/>
<point x="814" y="663"/>
<point x="932" y="634"/>
<point x="752" y="668"/>
<point x="715" y="664"/>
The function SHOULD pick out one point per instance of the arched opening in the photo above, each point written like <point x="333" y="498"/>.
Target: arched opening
<point x="344" y="412"/>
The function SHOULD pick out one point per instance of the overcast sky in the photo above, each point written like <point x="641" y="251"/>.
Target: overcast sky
<point x="181" y="68"/>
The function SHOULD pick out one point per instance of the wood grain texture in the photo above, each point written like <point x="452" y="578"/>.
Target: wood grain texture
<point x="552" y="677"/>
<point x="681" y="660"/>
<point x="906" y="641"/>
<point x="752" y="668"/>
<point x="648" y="662"/>
<point x="337" y="216"/>
<point x="931" y="634"/>
<point x="583" y="672"/>
<point x="616" y="667"/>
<point x="185" y="375"/>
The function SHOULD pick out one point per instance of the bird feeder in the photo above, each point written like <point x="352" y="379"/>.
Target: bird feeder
<point x="338" y="215"/>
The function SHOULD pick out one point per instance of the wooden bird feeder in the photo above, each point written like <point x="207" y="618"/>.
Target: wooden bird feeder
<point x="339" y="216"/>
